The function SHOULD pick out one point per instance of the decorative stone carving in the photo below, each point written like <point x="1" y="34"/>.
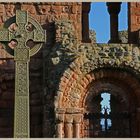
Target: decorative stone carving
<point x="68" y="118"/>
<point x="1" y="9"/>
<point x="59" y="131"/>
<point x="77" y="118"/>
<point x="77" y="122"/>
<point x="136" y="54"/>
<point x="30" y="8"/>
<point x="92" y="56"/>
<point x="68" y="130"/>
<point x="65" y="33"/>
<point x="59" y="125"/>
<point x="123" y="36"/>
<point x="92" y="36"/>
<point x="112" y="55"/>
<point x="67" y="9"/>
<point x="74" y="110"/>
<point x="59" y="118"/>
<point x="74" y="98"/>
<point x="60" y="110"/>
<point x="10" y="10"/>
<point x="68" y="126"/>
<point x="43" y="9"/>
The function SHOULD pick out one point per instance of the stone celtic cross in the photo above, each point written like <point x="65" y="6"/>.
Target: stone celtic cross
<point x="22" y="53"/>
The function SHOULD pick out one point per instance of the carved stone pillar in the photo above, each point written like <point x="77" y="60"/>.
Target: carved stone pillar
<point x="77" y="125"/>
<point x="60" y="122"/>
<point x="114" y="9"/>
<point x="68" y="126"/>
<point x="85" y="22"/>
<point x="59" y="125"/>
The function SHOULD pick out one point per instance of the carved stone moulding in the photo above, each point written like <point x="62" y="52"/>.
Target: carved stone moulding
<point x="77" y="118"/>
<point x="74" y="110"/>
<point x="60" y="110"/>
<point x="69" y="110"/>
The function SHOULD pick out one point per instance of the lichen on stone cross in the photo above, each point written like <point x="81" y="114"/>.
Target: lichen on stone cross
<point x="22" y="54"/>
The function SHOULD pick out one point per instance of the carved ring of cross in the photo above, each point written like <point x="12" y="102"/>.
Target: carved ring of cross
<point x="22" y="35"/>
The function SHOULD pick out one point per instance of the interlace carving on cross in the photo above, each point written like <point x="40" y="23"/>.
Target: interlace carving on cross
<point x="16" y="43"/>
<point x="22" y="33"/>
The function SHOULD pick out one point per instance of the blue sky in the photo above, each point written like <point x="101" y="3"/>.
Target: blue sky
<point x="105" y="102"/>
<point x="99" y="20"/>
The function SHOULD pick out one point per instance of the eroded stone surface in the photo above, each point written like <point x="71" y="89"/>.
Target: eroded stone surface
<point x="64" y="72"/>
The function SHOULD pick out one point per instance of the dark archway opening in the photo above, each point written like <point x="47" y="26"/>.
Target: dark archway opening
<point x="109" y="121"/>
<point x="107" y="112"/>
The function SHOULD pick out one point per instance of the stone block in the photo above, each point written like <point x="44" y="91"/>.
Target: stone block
<point x="133" y="4"/>
<point x="74" y="9"/>
<point x="9" y="9"/>
<point x="30" y="8"/>
<point x="56" y="9"/>
<point x="137" y="4"/>
<point x="2" y="9"/>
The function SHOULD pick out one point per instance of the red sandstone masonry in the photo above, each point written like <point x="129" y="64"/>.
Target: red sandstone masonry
<point x="133" y="21"/>
<point x="45" y="13"/>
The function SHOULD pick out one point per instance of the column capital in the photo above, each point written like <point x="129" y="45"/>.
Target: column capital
<point x="74" y="110"/>
<point x="68" y="118"/>
<point x="60" y="110"/>
<point x="59" y="118"/>
<point x="113" y="7"/>
<point x="77" y="118"/>
<point x="86" y="7"/>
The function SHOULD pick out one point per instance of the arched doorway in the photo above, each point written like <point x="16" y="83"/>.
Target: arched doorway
<point x="107" y="110"/>
<point x="79" y="111"/>
<point x="105" y="68"/>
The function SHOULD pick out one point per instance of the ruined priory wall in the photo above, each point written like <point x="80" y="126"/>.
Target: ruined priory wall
<point x="46" y="14"/>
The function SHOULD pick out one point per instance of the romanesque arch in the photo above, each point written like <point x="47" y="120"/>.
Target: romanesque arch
<point x="85" y="71"/>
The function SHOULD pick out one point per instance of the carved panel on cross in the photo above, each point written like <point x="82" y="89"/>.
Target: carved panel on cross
<point x="22" y="54"/>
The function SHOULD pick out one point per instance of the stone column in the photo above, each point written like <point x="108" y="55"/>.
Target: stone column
<point x="114" y="9"/>
<point x="77" y="125"/>
<point x="68" y="126"/>
<point x="59" y="125"/>
<point x="85" y="22"/>
<point x="59" y="130"/>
